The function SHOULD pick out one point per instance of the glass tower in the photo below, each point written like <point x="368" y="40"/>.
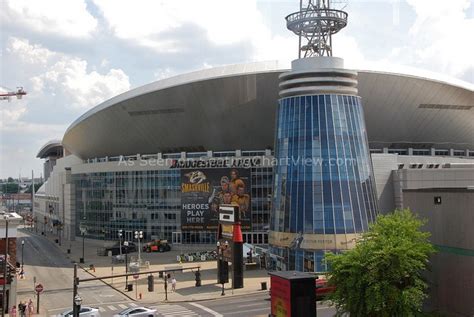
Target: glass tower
<point x="324" y="190"/>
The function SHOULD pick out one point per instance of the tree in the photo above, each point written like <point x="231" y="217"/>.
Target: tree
<point x="382" y="275"/>
<point x="37" y="186"/>
<point x="10" y="188"/>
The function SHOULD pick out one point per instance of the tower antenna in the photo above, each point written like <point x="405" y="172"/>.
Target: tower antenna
<point x="315" y="24"/>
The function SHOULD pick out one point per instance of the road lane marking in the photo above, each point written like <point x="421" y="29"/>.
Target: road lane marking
<point x="247" y="311"/>
<point x="133" y="305"/>
<point x="112" y="307"/>
<point x="102" y="309"/>
<point x="123" y="306"/>
<point x="255" y="304"/>
<point x="210" y="311"/>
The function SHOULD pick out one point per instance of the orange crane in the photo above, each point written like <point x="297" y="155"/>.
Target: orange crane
<point x="19" y="93"/>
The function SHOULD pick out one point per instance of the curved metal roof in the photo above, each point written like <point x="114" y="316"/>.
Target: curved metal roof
<point x="51" y="147"/>
<point x="233" y="107"/>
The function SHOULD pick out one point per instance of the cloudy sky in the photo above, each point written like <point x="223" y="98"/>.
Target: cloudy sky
<point x="70" y="55"/>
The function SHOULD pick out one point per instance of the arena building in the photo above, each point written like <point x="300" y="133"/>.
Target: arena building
<point x="310" y="154"/>
<point x="124" y="161"/>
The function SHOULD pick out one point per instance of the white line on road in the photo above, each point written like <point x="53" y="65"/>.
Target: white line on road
<point x="133" y="304"/>
<point x="174" y="312"/>
<point x="210" y="311"/>
<point x="112" y="307"/>
<point x="255" y="304"/>
<point x="123" y="306"/>
<point x="247" y="311"/>
<point x="102" y="309"/>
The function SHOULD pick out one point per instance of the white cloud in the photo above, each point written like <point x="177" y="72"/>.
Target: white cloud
<point x="224" y="22"/>
<point x="438" y="39"/>
<point x="59" y="86"/>
<point x="66" y="18"/>
<point x="65" y="77"/>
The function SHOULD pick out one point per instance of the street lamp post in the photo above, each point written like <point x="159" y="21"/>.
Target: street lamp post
<point x="22" y="253"/>
<point x="125" y="244"/>
<point x="82" y="260"/>
<point x="77" y="302"/>
<point x="5" y="266"/>
<point x="139" y="236"/>
<point x="220" y="254"/>
<point x="120" y="240"/>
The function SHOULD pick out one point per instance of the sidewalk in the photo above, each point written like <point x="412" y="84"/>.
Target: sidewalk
<point x="185" y="288"/>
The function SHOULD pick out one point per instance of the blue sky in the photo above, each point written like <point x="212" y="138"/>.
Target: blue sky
<point x="70" y="55"/>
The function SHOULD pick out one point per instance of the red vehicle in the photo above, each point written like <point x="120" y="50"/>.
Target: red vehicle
<point x="323" y="289"/>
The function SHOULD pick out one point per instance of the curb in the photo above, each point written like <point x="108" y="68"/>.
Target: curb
<point x="171" y="301"/>
<point x="216" y="297"/>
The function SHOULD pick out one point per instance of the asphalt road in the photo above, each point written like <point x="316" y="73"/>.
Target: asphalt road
<point x="54" y="271"/>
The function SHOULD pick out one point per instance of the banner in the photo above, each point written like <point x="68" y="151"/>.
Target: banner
<point x="309" y="241"/>
<point x="202" y="191"/>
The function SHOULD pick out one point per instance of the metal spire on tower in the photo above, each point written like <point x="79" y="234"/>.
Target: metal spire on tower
<point x="315" y="23"/>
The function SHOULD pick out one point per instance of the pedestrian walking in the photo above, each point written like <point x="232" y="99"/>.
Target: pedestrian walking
<point x="22" y="309"/>
<point x="173" y="284"/>
<point x="13" y="311"/>
<point x="30" y="308"/>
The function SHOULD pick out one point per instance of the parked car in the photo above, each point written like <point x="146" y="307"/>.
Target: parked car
<point x="115" y="249"/>
<point x="323" y="289"/>
<point x="157" y="246"/>
<point x="85" y="312"/>
<point x="137" y="312"/>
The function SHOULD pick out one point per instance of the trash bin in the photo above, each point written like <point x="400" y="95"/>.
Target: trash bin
<point x="68" y="251"/>
<point x="81" y="260"/>
<point x="263" y="286"/>
<point x="129" y="287"/>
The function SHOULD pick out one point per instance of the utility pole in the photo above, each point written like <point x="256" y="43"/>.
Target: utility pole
<point x="5" y="267"/>
<point x="74" y="293"/>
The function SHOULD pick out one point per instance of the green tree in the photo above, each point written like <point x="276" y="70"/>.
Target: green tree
<point x="37" y="186"/>
<point x="10" y="188"/>
<point x="382" y="275"/>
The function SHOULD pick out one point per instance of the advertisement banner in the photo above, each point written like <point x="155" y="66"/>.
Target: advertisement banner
<point x="202" y="191"/>
<point x="308" y="241"/>
<point x="281" y="297"/>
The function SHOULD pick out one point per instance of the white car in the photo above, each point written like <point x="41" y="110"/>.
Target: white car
<point x="137" y="312"/>
<point x="85" y="312"/>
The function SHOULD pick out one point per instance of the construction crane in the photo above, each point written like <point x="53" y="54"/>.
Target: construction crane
<point x="19" y="93"/>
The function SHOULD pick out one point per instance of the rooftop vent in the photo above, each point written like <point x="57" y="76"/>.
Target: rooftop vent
<point x="448" y="107"/>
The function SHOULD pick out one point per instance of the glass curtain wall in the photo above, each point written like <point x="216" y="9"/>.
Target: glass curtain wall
<point x="150" y="201"/>
<point x="324" y="181"/>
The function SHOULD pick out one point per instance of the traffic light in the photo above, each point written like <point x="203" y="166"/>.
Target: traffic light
<point x="223" y="272"/>
<point x="151" y="285"/>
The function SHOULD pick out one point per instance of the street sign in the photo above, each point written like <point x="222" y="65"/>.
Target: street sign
<point x="39" y="288"/>
<point x="135" y="276"/>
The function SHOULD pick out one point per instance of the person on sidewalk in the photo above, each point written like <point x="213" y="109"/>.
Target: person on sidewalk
<point x="30" y="308"/>
<point x="13" y="311"/>
<point x="173" y="284"/>
<point x="22" y="309"/>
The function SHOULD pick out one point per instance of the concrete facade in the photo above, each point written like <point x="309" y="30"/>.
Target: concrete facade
<point x="450" y="221"/>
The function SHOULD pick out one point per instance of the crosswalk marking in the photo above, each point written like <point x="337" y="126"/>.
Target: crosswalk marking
<point x="123" y="306"/>
<point x="133" y="305"/>
<point x="174" y="311"/>
<point x="101" y="309"/>
<point x="112" y="307"/>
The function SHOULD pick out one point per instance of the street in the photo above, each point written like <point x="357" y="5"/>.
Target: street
<point x="54" y="271"/>
<point x="51" y="267"/>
